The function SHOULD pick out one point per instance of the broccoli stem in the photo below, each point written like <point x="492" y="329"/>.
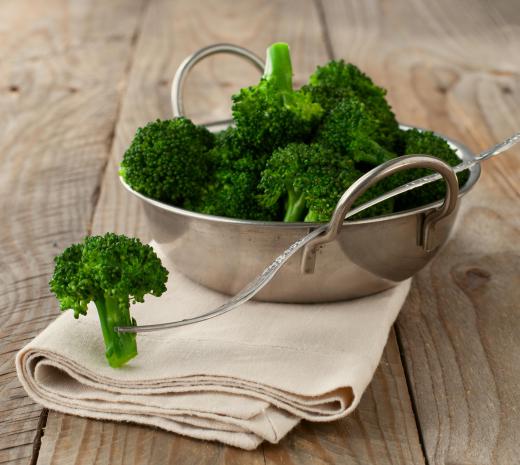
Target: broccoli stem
<point x="278" y="67"/>
<point x="120" y="347"/>
<point x="312" y="217"/>
<point x="295" y="206"/>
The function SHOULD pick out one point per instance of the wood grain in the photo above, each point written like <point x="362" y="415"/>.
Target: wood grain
<point x="448" y="66"/>
<point x="383" y="429"/>
<point x="58" y="104"/>
<point x="75" y="440"/>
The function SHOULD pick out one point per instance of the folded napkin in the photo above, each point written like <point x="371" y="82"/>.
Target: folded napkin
<point x="244" y="377"/>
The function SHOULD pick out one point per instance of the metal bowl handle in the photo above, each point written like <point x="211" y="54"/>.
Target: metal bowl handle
<point x="372" y="177"/>
<point x="190" y="61"/>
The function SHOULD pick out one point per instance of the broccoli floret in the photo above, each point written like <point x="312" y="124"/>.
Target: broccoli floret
<point x="233" y="190"/>
<point x="338" y="80"/>
<point x="285" y="178"/>
<point x="111" y="271"/>
<point x="424" y="143"/>
<point x="272" y="114"/>
<point x="352" y="131"/>
<point x="309" y="180"/>
<point x="168" y="161"/>
<point x="325" y="184"/>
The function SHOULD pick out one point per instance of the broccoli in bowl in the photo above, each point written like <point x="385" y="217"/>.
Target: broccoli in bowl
<point x="290" y="153"/>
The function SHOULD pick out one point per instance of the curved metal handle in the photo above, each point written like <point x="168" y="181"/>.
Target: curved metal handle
<point x="190" y="61"/>
<point x="380" y="172"/>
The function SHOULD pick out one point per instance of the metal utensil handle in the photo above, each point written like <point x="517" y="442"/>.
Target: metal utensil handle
<point x="375" y="175"/>
<point x="245" y="294"/>
<point x="347" y="199"/>
<point x="189" y="62"/>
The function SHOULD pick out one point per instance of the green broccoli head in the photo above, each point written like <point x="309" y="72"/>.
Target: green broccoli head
<point x="272" y="114"/>
<point x="352" y="131"/>
<point x="423" y="143"/>
<point x="168" y="161"/>
<point x="309" y="180"/>
<point x="234" y="193"/>
<point x="325" y="185"/>
<point x="112" y="271"/>
<point x="337" y="81"/>
<point x="233" y="190"/>
<point x="284" y="179"/>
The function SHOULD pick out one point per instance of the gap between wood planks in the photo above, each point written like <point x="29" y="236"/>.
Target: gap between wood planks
<point x="39" y="434"/>
<point x="330" y="51"/>
<point x="413" y="401"/>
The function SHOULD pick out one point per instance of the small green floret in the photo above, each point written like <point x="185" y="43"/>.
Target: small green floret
<point x="169" y="161"/>
<point x="337" y="81"/>
<point x="352" y="131"/>
<point x="285" y="179"/>
<point x="309" y="180"/>
<point x="112" y="271"/>
<point x="273" y="114"/>
<point x="423" y="143"/>
<point x="233" y="189"/>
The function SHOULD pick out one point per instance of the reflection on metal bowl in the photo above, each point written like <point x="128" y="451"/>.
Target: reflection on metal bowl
<point x="367" y="256"/>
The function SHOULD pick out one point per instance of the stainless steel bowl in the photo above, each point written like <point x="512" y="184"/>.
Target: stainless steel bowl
<point x="367" y="256"/>
<point x="364" y="257"/>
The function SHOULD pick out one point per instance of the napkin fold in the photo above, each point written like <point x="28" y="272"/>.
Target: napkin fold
<point x="247" y="376"/>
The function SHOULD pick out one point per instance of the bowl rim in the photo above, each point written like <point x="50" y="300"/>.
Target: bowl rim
<point x="463" y="152"/>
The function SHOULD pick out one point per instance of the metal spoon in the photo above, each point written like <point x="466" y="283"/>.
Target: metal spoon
<point x="261" y="280"/>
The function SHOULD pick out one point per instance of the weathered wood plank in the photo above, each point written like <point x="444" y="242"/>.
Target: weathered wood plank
<point x="383" y="428"/>
<point x="58" y="106"/>
<point x="75" y="440"/>
<point x="41" y="29"/>
<point x="448" y="66"/>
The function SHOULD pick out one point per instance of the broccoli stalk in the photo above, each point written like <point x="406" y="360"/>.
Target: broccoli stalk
<point x="278" y="68"/>
<point x="112" y="312"/>
<point x="296" y="206"/>
<point x="112" y="271"/>
<point x="278" y="72"/>
<point x="313" y="216"/>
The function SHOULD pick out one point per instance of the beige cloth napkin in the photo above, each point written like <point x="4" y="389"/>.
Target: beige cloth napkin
<point x="244" y="377"/>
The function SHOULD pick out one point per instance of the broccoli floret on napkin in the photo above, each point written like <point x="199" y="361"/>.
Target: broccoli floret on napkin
<point x="112" y="271"/>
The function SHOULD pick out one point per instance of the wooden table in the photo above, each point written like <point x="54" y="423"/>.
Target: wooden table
<point x="76" y="80"/>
